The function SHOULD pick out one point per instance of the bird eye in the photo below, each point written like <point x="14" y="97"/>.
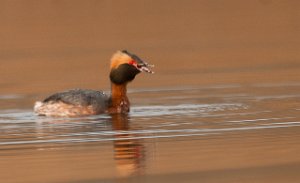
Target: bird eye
<point x="132" y="62"/>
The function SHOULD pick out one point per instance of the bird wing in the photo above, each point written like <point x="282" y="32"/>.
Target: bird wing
<point x="79" y="97"/>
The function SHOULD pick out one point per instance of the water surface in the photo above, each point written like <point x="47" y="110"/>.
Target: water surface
<point x="233" y="130"/>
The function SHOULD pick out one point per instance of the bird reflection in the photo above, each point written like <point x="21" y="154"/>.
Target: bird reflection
<point x="129" y="152"/>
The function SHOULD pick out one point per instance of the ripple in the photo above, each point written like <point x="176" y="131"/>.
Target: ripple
<point x="149" y="134"/>
<point x="181" y="109"/>
<point x="189" y="112"/>
<point x="11" y="96"/>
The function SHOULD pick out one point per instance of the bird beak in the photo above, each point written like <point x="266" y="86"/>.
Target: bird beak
<point x="139" y="64"/>
<point x="145" y="67"/>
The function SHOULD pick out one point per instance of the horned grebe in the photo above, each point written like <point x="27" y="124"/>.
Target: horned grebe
<point x="77" y="102"/>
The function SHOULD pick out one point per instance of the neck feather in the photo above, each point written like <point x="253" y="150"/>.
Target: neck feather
<point x="119" y="99"/>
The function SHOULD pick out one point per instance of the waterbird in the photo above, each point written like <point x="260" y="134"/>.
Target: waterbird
<point x="124" y="66"/>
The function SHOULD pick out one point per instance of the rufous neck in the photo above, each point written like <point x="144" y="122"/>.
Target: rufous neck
<point x="118" y="91"/>
<point x="119" y="101"/>
<point x="119" y="94"/>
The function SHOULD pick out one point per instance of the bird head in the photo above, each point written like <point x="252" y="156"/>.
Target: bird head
<point x="125" y="66"/>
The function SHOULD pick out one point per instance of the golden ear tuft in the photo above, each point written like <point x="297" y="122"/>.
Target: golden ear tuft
<point x="119" y="58"/>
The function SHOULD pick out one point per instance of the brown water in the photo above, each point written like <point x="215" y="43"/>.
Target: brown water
<point x="223" y="105"/>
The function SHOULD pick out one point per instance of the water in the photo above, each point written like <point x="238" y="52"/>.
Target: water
<point x="169" y="130"/>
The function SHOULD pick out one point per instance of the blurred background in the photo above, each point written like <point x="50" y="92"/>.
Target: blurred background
<point x="59" y="44"/>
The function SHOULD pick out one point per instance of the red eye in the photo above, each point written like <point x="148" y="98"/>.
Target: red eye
<point x="132" y="62"/>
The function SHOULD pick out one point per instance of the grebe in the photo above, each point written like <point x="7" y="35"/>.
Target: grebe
<point x="78" y="102"/>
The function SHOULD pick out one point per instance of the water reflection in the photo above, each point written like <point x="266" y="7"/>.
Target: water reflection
<point x="129" y="152"/>
<point x="128" y="149"/>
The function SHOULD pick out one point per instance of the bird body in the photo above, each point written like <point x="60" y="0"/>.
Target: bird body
<point x="78" y="102"/>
